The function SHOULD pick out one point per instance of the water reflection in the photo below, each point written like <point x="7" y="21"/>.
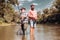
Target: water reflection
<point x="32" y="37"/>
<point x="24" y="37"/>
<point x="41" y="32"/>
<point x="32" y="34"/>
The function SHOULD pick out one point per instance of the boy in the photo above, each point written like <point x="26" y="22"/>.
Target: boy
<point x="23" y="17"/>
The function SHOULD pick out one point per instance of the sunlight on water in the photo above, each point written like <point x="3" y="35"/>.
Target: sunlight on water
<point x="41" y="32"/>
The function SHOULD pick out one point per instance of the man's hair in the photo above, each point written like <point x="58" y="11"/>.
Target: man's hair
<point x="32" y="5"/>
<point x="23" y="8"/>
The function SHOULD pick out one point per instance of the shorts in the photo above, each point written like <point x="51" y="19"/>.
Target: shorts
<point x="32" y="23"/>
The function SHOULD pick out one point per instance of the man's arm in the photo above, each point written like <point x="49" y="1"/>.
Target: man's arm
<point x="30" y="14"/>
<point x="35" y="15"/>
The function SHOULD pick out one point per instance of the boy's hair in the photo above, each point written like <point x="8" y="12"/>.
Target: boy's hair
<point x="23" y="8"/>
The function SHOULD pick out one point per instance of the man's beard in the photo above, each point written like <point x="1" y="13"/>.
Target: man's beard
<point x="32" y="8"/>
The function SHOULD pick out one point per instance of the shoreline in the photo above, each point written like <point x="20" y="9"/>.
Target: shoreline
<point x="7" y="24"/>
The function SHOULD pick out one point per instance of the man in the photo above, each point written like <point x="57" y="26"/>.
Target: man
<point x="23" y="17"/>
<point x="32" y="15"/>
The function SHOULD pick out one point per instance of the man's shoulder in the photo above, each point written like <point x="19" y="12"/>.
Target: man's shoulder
<point x="35" y="10"/>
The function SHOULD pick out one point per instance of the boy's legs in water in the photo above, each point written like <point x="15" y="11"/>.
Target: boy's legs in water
<point x="22" y="27"/>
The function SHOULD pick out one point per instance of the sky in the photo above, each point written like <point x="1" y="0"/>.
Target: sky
<point x="39" y="4"/>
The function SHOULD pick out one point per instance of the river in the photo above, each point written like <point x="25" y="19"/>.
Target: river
<point x="41" y="32"/>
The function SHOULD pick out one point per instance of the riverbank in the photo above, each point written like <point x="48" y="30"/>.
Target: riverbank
<point x="7" y="24"/>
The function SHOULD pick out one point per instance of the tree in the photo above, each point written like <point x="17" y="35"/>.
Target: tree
<point x="46" y="11"/>
<point x="13" y="2"/>
<point x="6" y="10"/>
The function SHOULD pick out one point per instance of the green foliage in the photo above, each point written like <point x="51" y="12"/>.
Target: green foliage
<point x="7" y="13"/>
<point x="2" y="1"/>
<point x="13" y="1"/>
<point x="52" y="14"/>
<point x="2" y="20"/>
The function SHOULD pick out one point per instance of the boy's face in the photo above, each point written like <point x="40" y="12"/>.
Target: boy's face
<point x="23" y="10"/>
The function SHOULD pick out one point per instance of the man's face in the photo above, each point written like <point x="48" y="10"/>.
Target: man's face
<point x="32" y="7"/>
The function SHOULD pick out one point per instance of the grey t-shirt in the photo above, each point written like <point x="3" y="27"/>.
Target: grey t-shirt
<point x="25" y="17"/>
